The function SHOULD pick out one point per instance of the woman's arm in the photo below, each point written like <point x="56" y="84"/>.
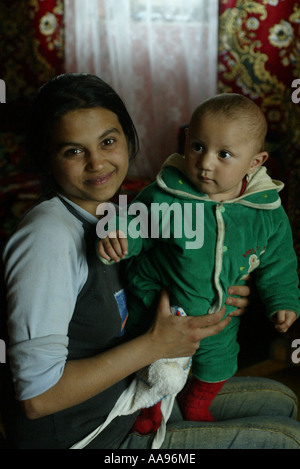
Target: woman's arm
<point x="82" y="379"/>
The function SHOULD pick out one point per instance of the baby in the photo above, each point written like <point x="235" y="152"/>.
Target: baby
<point x="245" y="230"/>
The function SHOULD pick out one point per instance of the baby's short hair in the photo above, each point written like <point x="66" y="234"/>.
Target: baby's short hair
<point x="236" y="106"/>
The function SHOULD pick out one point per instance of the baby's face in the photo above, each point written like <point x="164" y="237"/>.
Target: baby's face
<point x="218" y="154"/>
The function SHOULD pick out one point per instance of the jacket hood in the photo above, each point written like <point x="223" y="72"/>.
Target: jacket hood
<point x="261" y="191"/>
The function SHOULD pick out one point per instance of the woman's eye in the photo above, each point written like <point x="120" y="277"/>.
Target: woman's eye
<point x="224" y="154"/>
<point x="108" y="142"/>
<point x="198" y="147"/>
<point x="73" y="152"/>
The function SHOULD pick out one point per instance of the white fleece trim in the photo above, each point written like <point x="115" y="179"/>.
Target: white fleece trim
<point x="218" y="259"/>
<point x="270" y="206"/>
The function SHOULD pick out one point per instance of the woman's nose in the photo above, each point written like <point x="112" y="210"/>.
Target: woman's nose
<point x="95" y="160"/>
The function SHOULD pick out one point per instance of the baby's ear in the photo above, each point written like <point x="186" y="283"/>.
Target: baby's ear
<point x="258" y="160"/>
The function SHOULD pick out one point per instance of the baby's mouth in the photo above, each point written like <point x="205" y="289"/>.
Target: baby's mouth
<point x="205" y="179"/>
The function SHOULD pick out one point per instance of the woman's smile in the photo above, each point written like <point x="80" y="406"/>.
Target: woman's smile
<point x="99" y="180"/>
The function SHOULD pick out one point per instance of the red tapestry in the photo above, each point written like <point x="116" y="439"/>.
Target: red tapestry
<point x="32" y="52"/>
<point x="259" y="56"/>
<point x="31" y="44"/>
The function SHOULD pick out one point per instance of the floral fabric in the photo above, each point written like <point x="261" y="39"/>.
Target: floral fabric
<point x="31" y="45"/>
<point x="32" y="51"/>
<point x="259" y="56"/>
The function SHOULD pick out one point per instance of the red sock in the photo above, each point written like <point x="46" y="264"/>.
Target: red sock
<point x="149" y="420"/>
<point x="195" y="400"/>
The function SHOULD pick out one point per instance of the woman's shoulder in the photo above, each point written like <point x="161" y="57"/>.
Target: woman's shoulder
<point x="47" y="225"/>
<point x="50" y="216"/>
<point x="48" y="235"/>
<point x="52" y="210"/>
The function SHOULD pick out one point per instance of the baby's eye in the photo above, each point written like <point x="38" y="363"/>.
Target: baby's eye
<point x="198" y="147"/>
<point x="224" y="154"/>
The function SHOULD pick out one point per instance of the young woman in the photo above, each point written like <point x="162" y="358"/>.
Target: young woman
<point x="69" y="360"/>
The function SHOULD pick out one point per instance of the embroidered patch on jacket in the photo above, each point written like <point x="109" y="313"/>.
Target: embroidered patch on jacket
<point x="122" y="305"/>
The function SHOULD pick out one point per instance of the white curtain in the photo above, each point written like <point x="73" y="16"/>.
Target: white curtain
<point x="159" y="55"/>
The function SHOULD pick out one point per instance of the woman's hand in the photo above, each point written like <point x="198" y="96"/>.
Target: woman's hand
<point x="241" y="303"/>
<point x="175" y="336"/>
<point x="181" y="336"/>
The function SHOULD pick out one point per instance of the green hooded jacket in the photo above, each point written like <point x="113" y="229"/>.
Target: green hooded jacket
<point x="234" y="238"/>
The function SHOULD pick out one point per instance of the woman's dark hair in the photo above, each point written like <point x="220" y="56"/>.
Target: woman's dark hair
<point x="61" y="95"/>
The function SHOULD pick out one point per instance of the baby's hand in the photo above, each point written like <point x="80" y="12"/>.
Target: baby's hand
<point x="113" y="247"/>
<point x="283" y="320"/>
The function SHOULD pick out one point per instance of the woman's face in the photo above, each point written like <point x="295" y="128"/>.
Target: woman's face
<point x="89" y="156"/>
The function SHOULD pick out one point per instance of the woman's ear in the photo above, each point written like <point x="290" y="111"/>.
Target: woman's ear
<point x="258" y="160"/>
<point x="186" y="130"/>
